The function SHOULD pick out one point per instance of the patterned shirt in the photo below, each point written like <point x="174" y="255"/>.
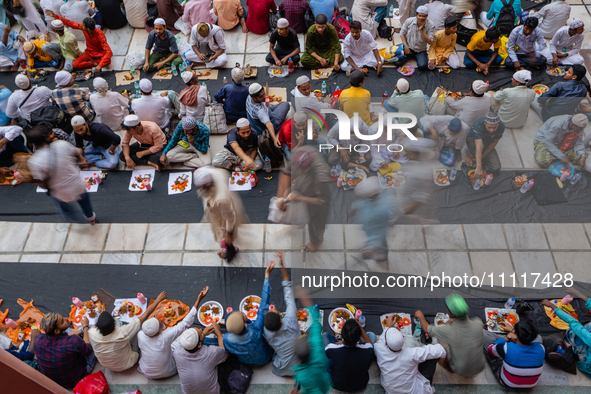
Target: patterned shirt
<point x="294" y="11"/>
<point x="200" y="142"/>
<point x="73" y="101"/>
<point x="164" y="45"/>
<point x="62" y="357"/>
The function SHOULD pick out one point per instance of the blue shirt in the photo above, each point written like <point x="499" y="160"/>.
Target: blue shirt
<point x="251" y="346"/>
<point x="325" y="7"/>
<point x="497" y="5"/>
<point x="4" y="94"/>
<point x="200" y="142"/>
<point x="234" y="96"/>
<point x="258" y="115"/>
<point x="567" y="97"/>
<point x="581" y="333"/>
<point x="164" y="45"/>
<point x="7" y="50"/>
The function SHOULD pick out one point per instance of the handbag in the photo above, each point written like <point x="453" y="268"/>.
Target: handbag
<point x="233" y="376"/>
<point x="95" y="383"/>
<point x="437" y="102"/>
<point x="385" y="31"/>
<point x="215" y="119"/>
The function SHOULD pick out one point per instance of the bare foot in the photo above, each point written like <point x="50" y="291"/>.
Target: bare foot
<point x="222" y="254"/>
<point x="310" y="247"/>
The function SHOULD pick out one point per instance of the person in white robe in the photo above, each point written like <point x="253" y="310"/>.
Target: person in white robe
<point x="363" y="11"/>
<point x="54" y="6"/>
<point x="566" y="44"/>
<point x="77" y="11"/>
<point x="32" y="20"/>
<point x="207" y="39"/>
<point x="360" y="49"/>
<point x="406" y="10"/>
<point x="552" y="17"/>
<point x="439" y="12"/>
<point x="304" y="99"/>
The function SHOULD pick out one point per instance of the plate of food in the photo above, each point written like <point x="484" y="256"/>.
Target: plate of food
<point x="170" y="312"/>
<point x="210" y="311"/>
<point x="305" y="319"/>
<point x="556" y="71"/>
<point x="473" y="178"/>
<point x="519" y="180"/>
<point x="540" y="88"/>
<point x="275" y="71"/>
<point x="250" y="71"/>
<point x="179" y="182"/>
<point x="441" y="177"/>
<point x="337" y="319"/>
<point x="352" y="177"/>
<point x="141" y="180"/>
<point x="392" y="180"/>
<point x="82" y="76"/>
<point x="240" y="181"/>
<point x="404" y="323"/>
<point x="128" y="309"/>
<point x="494" y="316"/>
<point x="250" y="306"/>
<point x="90" y="310"/>
<point x="407" y="70"/>
<point x="441" y="318"/>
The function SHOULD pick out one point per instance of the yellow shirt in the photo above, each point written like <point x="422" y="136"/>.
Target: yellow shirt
<point x="39" y="56"/>
<point x="442" y="46"/>
<point x="477" y="42"/>
<point x="356" y="100"/>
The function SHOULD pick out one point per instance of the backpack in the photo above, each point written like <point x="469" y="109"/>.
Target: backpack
<point x="233" y="376"/>
<point x="505" y="21"/>
<point x="385" y="31"/>
<point x="569" y="361"/>
<point x="341" y="24"/>
<point x="381" y="13"/>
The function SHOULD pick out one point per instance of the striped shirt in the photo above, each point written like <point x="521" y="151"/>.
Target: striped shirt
<point x="73" y="102"/>
<point x="522" y="364"/>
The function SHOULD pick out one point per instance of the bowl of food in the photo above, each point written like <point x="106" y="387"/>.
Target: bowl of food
<point x="250" y="306"/>
<point x="209" y="312"/>
<point x="540" y="88"/>
<point x="337" y="319"/>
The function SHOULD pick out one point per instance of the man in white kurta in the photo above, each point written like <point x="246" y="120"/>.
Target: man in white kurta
<point x="399" y="367"/>
<point x="207" y="37"/>
<point x="512" y="104"/>
<point x="304" y="99"/>
<point x="360" y="49"/>
<point x="76" y="11"/>
<point x="439" y="12"/>
<point x="363" y="11"/>
<point x="552" y="17"/>
<point x="566" y="44"/>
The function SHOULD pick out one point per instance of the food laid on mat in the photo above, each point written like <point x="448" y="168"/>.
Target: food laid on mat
<point x="305" y="318"/>
<point x="441" y="177"/>
<point x="277" y="70"/>
<point x="81" y="76"/>
<point x="8" y="179"/>
<point x="209" y="312"/>
<point x="392" y="180"/>
<point x="540" y="88"/>
<point x="170" y="312"/>
<point x="352" y="177"/>
<point x="519" y="180"/>
<point x="90" y="309"/>
<point x="474" y="178"/>
<point x="139" y="181"/>
<point x="240" y="178"/>
<point x="274" y="98"/>
<point x="180" y="184"/>
<point x="163" y="72"/>
<point x="337" y="319"/>
<point x="441" y="318"/>
<point x="404" y="323"/>
<point x="128" y="308"/>
<point x="202" y="73"/>
<point x="250" y="71"/>
<point x="556" y="71"/>
<point x="250" y="306"/>
<point x="494" y="316"/>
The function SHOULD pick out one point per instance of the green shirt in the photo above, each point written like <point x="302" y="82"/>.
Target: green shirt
<point x="312" y="377"/>
<point x="413" y="102"/>
<point x="325" y="44"/>
<point x="69" y="45"/>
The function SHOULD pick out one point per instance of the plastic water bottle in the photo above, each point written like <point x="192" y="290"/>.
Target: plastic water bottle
<point x="225" y="81"/>
<point x="384" y="97"/>
<point x="576" y="178"/>
<point x="525" y="187"/>
<point x="488" y="179"/>
<point x="362" y="320"/>
<point x="76" y="301"/>
<point x="510" y="302"/>
<point x="391" y="13"/>
<point x="531" y="184"/>
<point x="340" y="181"/>
<point x="132" y="69"/>
<point x="333" y="174"/>
<point x="267" y="164"/>
<point x="137" y="88"/>
<point x="182" y="67"/>
<point x="290" y="65"/>
<point x="339" y="171"/>
<point x="323" y="88"/>
<point x="141" y="298"/>
<point x="564" y="175"/>
<point x="187" y="61"/>
<point x="174" y="70"/>
<point x="453" y="174"/>
<point x="477" y="184"/>
<point x="417" y="333"/>
<point x="348" y="70"/>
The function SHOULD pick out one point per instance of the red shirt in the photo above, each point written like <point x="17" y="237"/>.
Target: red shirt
<point x="97" y="47"/>
<point x="285" y="134"/>
<point x="258" y="12"/>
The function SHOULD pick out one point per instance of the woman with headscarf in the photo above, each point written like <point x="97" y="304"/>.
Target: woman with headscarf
<point x="194" y="97"/>
<point x="223" y="208"/>
<point x="110" y="107"/>
<point x="208" y="45"/>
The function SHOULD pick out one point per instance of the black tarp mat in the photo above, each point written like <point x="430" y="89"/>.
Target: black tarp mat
<point x="52" y="287"/>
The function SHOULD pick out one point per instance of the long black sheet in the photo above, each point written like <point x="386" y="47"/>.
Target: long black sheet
<point x="52" y="287"/>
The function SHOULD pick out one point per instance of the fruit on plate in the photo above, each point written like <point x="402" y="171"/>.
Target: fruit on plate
<point x="519" y="180"/>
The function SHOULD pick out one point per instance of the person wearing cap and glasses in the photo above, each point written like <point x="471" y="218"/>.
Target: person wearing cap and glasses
<point x="148" y="148"/>
<point x="153" y="108"/>
<point x="566" y="44"/>
<point x="416" y="33"/>
<point x="449" y="133"/>
<point x="472" y="106"/>
<point x="37" y="57"/>
<point x="197" y="358"/>
<point x="525" y="46"/>
<point x="283" y="45"/>
<point x="103" y="150"/>
<point x="408" y="370"/>
<point x="233" y="96"/>
<point x="193" y="98"/>
<point x="360" y="50"/>
<point x="8" y="54"/>
<point x="461" y="337"/>
<point x="485" y="134"/>
<point x="66" y="45"/>
<point x="323" y="48"/>
<point x="262" y="117"/>
<point x="561" y="139"/>
<point x="166" y="51"/>
<point x="563" y="98"/>
<point x="155" y="340"/>
<point x="207" y="46"/>
<point x="189" y="145"/>
<point x="241" y="149"/>
<point x="36" y="98"/>
<point x="512" y="104"/>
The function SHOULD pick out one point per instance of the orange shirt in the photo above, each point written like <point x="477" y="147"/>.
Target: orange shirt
<point x="227" y="12"/>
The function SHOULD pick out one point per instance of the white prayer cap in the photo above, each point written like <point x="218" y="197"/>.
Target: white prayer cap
<point x="254" y="88"/>
<point x="479" y="87"/>
<point x="580" y="120"/>
<point x="188" y="123"/>
<point x="242" y="122"/>
<point x="302" y="80"/>
<point x="151" y="326"/>
<point x="131" y="120"/>
<point x="237" y="75"/>
<point x="282" y="23"/>
<point x="522" y="76"/>
<point x="368" y="187"/>
<point x="576" y="23"/>
<point x="160" y="21"/>
<point x="57" y="24"/>
<point x="146" y="85"/>
<point x="189" y="339"/>
<point x="202" y="176"/>
<point x="187" y="76"/>
<point x="22" y="81"/>
<point x="300" y="117"/>
<point x="78" y="121"/>
<point x="62" y="78"/>
<point x="422" y="10"/>
<point x="394" y="338"/>
<point x="100" y="84"/>
<point x="403" y="85"/>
